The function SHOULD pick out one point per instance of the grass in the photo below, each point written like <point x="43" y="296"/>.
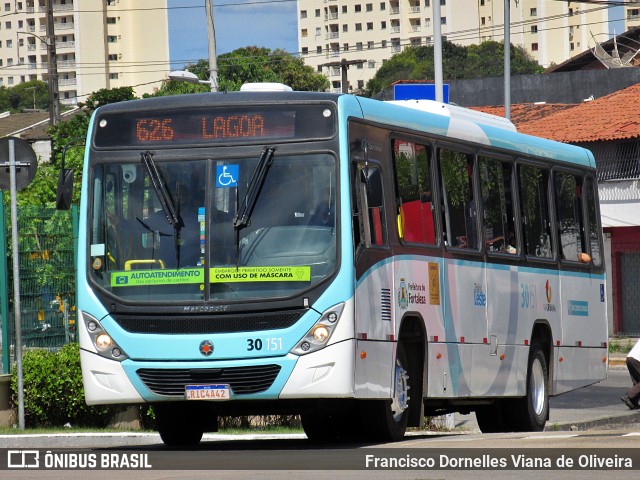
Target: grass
<point x="52" y="430"/>
<point x="76" y="430"/>
<point x="621" y="345"/>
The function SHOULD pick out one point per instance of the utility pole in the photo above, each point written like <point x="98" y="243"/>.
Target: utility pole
<point x="437" y="50"/>
<point x="344" y="65"/>
<point x="52" y="67"/>
<point x="507" y="59"/>
<point x="213" y="60"/>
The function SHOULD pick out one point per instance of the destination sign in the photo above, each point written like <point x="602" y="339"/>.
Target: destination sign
<point x="214" y="125"/>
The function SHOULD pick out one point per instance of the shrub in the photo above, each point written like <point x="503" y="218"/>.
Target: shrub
<point x="53" y="391"/>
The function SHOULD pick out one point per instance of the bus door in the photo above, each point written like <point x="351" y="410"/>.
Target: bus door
<point x="502" y="245"/>
<point x="374" y="290"/>
<point x="374" y="320"/>
<point x="581" y="281"/>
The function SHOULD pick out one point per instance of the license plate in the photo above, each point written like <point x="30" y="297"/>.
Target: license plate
<point x="207" y="392"/>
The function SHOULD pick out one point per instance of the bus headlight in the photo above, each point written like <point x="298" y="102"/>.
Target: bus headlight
<point x="102" y="341"/>
<point x="319" y="335"/>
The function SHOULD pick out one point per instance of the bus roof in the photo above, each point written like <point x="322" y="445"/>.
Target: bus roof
<point x="433" y="118"/>
<point x="463" y="124"/>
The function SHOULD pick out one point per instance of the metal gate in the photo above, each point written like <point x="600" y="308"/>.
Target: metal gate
<point x="46" y="242"/>
<point x="630" y="286"/>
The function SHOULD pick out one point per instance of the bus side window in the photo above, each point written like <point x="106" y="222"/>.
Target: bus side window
<point x="460" y="210"/>
<point x="413" y="184"/>
<point x="497" y="200"/>
<point x="568" y="189"/>
<point x="592" y="217"/>
<point x="534" y="205"/>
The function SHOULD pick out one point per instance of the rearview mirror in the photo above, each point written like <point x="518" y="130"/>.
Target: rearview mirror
<point x="372" y="180"/>
<point x="65" y="189"/>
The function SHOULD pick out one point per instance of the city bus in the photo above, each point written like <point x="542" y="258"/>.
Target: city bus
<point x="359" y="263"/>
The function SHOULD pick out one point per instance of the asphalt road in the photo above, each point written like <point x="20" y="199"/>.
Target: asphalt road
<point x="596" y="406"/>
<point x="592" y="417"/>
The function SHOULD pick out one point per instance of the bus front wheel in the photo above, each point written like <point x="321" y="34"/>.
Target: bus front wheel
<point x="178" y="426"/>
<point x="387" y="419"/>
<point x="181" y="435"/>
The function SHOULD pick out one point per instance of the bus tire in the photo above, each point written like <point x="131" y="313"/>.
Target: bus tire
<point x="338" y="421"/>
<point x="533" y="409"/>
<point x="491" y="418"/>
<point x="178" y="427"/>
<point x="181" y="435"/>
<point x="318" y="427"/>
<point x="387" y="419"/>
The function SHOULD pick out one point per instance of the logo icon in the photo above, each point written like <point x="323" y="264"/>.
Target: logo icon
<point x="23" y="459"/>
<point x="403" y="300"/>
<point x="479" y="297"/>
<point x="206" y="348"/>
<point x="227" y="176"/>
<point x="548" y="291"/>
<point x="122" y="280"/>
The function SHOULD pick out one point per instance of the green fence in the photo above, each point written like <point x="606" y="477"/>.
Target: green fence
<point x="46" y="243"/>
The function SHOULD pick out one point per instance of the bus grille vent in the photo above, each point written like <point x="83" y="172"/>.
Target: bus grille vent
<point x="385" y="304"/>
<point x="247" y="322"/>
<point x="242" y="380"/>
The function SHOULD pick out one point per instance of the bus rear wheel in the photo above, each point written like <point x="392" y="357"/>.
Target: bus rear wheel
<point x="334" y="421"/>
<point x="533" y="409"/>
<point x="525" y="414"/>
<point x="491" y="418"/>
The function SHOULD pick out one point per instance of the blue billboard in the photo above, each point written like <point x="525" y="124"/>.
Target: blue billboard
<point x="419" y="91"/>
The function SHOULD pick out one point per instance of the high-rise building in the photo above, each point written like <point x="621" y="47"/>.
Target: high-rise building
<point x="98" y="44"/>
<point x="632" y="14"/>
<point x="371" y="31"/>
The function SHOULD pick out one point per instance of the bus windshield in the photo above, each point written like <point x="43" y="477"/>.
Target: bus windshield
<point x="167" y="230"/>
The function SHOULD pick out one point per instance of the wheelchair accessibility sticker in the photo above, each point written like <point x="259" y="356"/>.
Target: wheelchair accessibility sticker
<point x="227" y="176"/>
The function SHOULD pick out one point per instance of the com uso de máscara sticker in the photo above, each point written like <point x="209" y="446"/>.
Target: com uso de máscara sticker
<point x="184" y="276"/>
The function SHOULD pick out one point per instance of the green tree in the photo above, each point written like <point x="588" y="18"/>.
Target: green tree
<point x="251" y="64"/>
<point x="68" y="138"/>
<point x="32" y="94"/>
<point x="458" y="62"/>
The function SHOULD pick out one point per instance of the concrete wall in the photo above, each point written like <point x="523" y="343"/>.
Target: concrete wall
<point x="561" y="87"/>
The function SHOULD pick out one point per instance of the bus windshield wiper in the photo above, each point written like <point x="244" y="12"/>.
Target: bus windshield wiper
<point x="245" y="208"/>
<point x="160" y="187"/>
<point x="165" y="199"/>
<point x="243" y="215"/>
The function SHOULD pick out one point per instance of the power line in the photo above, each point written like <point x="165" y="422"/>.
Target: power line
<point x="179" y="7"/>
<point x="461" y="35"/>
<point x="474" y="33"/>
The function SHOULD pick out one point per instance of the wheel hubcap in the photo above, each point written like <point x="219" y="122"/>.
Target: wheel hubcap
<point x="400" y="401"/>
<point x="537" y="388"/>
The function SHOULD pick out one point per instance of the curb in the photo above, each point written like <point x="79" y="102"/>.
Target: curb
<point x="631" y="417"/>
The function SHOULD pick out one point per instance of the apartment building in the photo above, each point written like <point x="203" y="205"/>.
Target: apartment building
<point x="368" y="32"/>
<point x="632" y="14"/>
<point x="98" y="44"/>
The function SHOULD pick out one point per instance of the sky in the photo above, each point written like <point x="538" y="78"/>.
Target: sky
<point x="238" y="23"/>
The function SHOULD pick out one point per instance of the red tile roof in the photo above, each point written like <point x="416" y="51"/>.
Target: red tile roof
<point x="522" y="113"/>
<point x="613" y="117"/>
